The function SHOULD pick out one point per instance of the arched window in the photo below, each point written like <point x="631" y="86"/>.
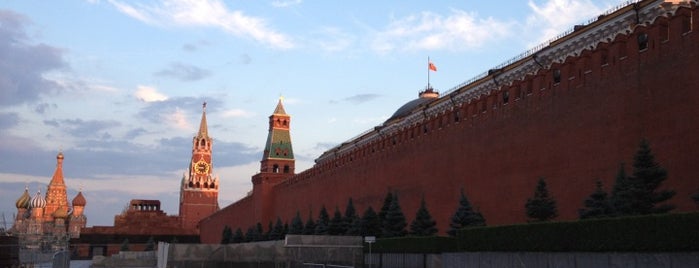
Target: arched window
<point x="275" y="168"/>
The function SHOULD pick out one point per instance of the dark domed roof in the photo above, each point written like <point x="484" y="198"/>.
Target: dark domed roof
<point x="424" y="97"/>
<point x="79" y="200"/>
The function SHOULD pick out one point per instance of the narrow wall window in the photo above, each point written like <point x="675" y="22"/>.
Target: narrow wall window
<point x="604" y="57"/>
<point x="505" y="96"/>
<point x="642" y="40"/>
<point x="556" y="76"/>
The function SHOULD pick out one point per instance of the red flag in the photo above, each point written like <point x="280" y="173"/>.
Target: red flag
<point x="431" y="66"/>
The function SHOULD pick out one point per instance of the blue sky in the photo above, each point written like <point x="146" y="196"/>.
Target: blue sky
<point x="118" y="85"/>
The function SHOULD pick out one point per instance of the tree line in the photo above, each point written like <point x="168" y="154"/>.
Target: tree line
<point x="637" y="194"/>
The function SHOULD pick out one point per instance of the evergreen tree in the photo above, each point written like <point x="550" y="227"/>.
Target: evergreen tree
<point x="150" y="244"/>
<point x="423" y="224"/>
<point x="597" y="204"/>
<point x="227" y="235"/>
<point x="124" y="245"/>
<point x="286" y="229"/>
<point x="259" y="232"/>
<point x="323" y="222"/>
<point x="648" y="175"/>
<point x="464" y="216"/>
<point x="251" y="234"/>
<point x="350" y="217"/>
<point x="370" y="223"/>
<point x="386" y="206"/>
<point x="296" y="224"/>
<point x="336" y="226"/>
<point x="541" y="207"/>
<point x="394" y="224"/>
<point x="270" y="229"/>
<point x="310" y="227"/>
<point x="355" y="228"/>
<point x="238" y="236"/>
<point x="277" y="231"/>
<point x="620" y="198"/>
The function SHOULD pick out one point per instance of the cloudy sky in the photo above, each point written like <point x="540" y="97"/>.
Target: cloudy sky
<point x="118" y="85"/>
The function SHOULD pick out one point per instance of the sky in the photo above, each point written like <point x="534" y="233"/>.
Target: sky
<point x="118" y="85"/>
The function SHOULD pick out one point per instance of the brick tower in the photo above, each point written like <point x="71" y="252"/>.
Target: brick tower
<point x="56" y="196"/>
<point x="277" y="163"/>
<point x="199" y="189"/>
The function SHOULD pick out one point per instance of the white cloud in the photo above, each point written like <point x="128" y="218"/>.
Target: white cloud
<point x="179" y="119"/>
<point x="236" y="113"/>
<point x="286" y="3"/>
<point x="149" y="94"/>
<point x="430" y="31"/>
<point x="556" y="16"/>
<point x="207" y="13"/>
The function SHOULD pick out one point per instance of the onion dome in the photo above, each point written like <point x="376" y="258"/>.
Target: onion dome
<point x="60" y="213"/>
<point x="38" y="201"/>
<point x="79" y="200"/>
<point x="23" y="201"/>
<point x="60" y="155"/>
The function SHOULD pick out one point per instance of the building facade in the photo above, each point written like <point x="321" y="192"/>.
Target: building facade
<point x="45" y="223"/>
<point x="144" y="220"/>
<point x="571" y="111"/>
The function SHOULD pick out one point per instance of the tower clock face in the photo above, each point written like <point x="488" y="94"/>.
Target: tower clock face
<point x="201" y="167"/>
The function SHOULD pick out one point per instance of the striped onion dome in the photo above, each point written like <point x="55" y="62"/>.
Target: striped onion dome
<point x="23" y="201"/>
<point x="38" y="201"/>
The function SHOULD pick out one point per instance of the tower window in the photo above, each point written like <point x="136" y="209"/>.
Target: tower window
<point x="286" y="169"/>
<point x="275" y="168"/>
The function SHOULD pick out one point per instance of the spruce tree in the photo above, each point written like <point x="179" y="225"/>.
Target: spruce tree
<point x="648" y="175"/>
<point x="597" y="204"/>
<point x="464" y="216"/>
<point x="259" y="233"/>
<point x="350" y="217"/>
<point x="322" y="223"/>
<point x="238" y="236"/>
<point x="620" y="198"/>
<point x="124" y="245"/>
<point x="251" y="234"/>
<point x="386" y="206"/>
<point x="394" y="224"/>
<point x="335" y="227"/>
<point x="310" y="227"/>
<point x="423" y="224"/>
<point x="226" y="235"/>
<point x="355" y="228"/>
<point x="268" y="234"/>
<point x="370" y="223"/>
<point x="541" y="207"/>
<point x="150" y="244"/>
<point x="296" y="225"/>
<point x="277" y="231"/>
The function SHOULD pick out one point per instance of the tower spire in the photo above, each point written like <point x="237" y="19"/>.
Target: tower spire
<point x="203" y="127"/>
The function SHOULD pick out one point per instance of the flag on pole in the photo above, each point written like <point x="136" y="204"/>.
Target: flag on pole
<point x="431" y="66"/>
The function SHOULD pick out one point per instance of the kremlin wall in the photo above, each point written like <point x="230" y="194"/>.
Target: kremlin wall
<point x="570" y="111"/>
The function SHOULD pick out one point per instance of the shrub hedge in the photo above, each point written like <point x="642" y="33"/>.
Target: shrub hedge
<point x="674" y="232"/>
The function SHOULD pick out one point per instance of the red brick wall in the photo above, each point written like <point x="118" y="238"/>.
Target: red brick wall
<point x="571" y="133"/>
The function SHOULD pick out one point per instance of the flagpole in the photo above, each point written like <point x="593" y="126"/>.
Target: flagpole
<point x="428" y="72"/>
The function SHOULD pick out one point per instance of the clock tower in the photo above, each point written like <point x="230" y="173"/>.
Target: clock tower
<point x="199" y="189"/>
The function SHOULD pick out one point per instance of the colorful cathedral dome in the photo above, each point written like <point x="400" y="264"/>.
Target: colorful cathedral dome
<point x="60" y="213"/>
<point x="23" y="201"/>
<point x="38" y="201"/>
<point x="79" y="200"/>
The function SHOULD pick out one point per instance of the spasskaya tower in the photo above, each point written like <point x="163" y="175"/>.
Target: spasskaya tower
<point x="199" y="189"/>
